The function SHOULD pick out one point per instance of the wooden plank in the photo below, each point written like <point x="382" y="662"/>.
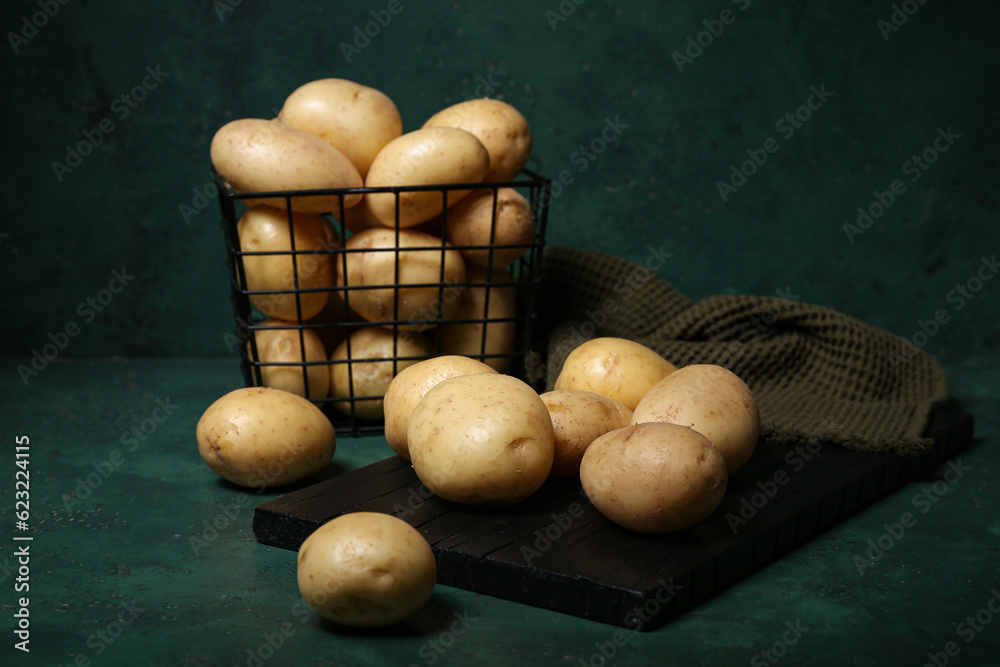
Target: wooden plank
<point x="557" y="552"/>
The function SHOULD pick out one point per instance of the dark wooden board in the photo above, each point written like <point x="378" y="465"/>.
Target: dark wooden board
<point x="555" y="551"/>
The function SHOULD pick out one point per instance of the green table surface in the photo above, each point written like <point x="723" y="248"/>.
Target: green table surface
<point x="141" y="555"/>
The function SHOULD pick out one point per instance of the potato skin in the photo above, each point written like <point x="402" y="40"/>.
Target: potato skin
<point x="618" y="368"/>
<point x="712" y="400"/>
<point x="466" y="338"/>
<point x="654" y="477"/>
<point x="503" y="130"/>
<point x="263" y="437"/>
<point x="410" y="385"/>
<point x="276" y="344"/>
<point x="472" y="222"/>
<point x="258" y="155"/>
<point x="578" y="418"/>
<point x="431" y="156"/>
<point x="483" y="439"/>
<point x="366" y="569"/>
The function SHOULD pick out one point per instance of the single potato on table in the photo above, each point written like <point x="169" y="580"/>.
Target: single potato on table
<point x="483" y="439"/>
<point x="409" y="386"/>
<point x="355" y="119"/>
<point x="712" y="400"/>
<point x="431" y="156"/>
<point x="265" y="229"/>
<point x="283" y="342"/>
<point x="366" y="569"/>
<point x="258" y="155"/>
<point x="618" y="368"/>
<point x="263" y="437"/>
<point x="366" y="377"/>
<point x="499" y="126"/>
<point x="654" y="477"/>
<point x="578" y="418"/>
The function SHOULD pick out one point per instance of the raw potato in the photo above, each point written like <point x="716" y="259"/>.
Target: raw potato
<point x="355" y="119"/>
<point x="372" y="350"/>
<point x="466" y="338"/>
<point x="262" y="437"/>
<point x="386" y="297"/>
<point x="471" y="223"/>
<point x="410" y="385"/>
<point x="278" y="344"/>
<point x="712" y="400"/>
<point x="264" y="228"/>
<point x="501" y="128"/>
<point x="483" y="439"/>
<point x="618" y="368"/>
<point x="257" y="155"/>
<point x="431" y="156"/>
<point x="366" y="569"/>
<point x="578" y="418"/>
<point x="654" y="477"/>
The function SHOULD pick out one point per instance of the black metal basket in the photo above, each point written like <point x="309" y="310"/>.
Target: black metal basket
<point x="522" y="277"/>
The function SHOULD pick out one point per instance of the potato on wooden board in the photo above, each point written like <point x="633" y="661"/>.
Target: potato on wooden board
<point x="618" y="368"/>
<point x="366" y="569"/>
<point x="258" y="155"/>
<point x="712" y="400"/>
<point x="409" y="386"/>
<point x="483" y="439"/>
<point x="578" y="418"/>
<point x="654" y="477"/>
<point x="262" y="437"/>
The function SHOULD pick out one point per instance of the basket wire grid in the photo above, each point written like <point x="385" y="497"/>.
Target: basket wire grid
<point x="522" y="277"/>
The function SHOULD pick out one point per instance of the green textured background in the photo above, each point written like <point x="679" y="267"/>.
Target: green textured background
<point x="61" y="237"/>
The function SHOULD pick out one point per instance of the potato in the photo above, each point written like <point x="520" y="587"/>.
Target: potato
<point x="264" y="437"/>
<point x="283" y="342"/>
<point x="501" y="128"/>
<point x="483" y="439"/>
<point x="366" y="569"/>
<point x="264" y="228"/>
<point x="355" y="119"/>
<point x="471" y="223"/>
<point x="410" y="385"/>
<point x="578" y="418"/>
<point x="367" y="376"/>
<point x="257" y="155"/>
<point x="371" y="263"/>
<point x="654" y="477"/>
<point x="431" y="156"/>
<point x="618" y="368"/>
<point x="712" y="400"/>
<point x="466" y="338"/>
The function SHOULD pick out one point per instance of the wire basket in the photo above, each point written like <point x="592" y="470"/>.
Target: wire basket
<point x="455" y="310"/>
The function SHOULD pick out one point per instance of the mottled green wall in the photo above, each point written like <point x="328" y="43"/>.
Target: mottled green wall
<point x="64" y="234"/>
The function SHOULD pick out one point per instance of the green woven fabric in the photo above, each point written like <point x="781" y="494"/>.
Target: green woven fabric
<point x="817" y="374"/>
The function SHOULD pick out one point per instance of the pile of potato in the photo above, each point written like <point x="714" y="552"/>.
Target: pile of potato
<point x="653" y="445"/>
<point x="417" y="268"/>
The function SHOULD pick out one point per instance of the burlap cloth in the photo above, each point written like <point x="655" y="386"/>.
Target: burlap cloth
<point x="817" y="374"/>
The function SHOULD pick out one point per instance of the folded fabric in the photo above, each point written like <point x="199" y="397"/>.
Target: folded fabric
<point x="817" y="374"/>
